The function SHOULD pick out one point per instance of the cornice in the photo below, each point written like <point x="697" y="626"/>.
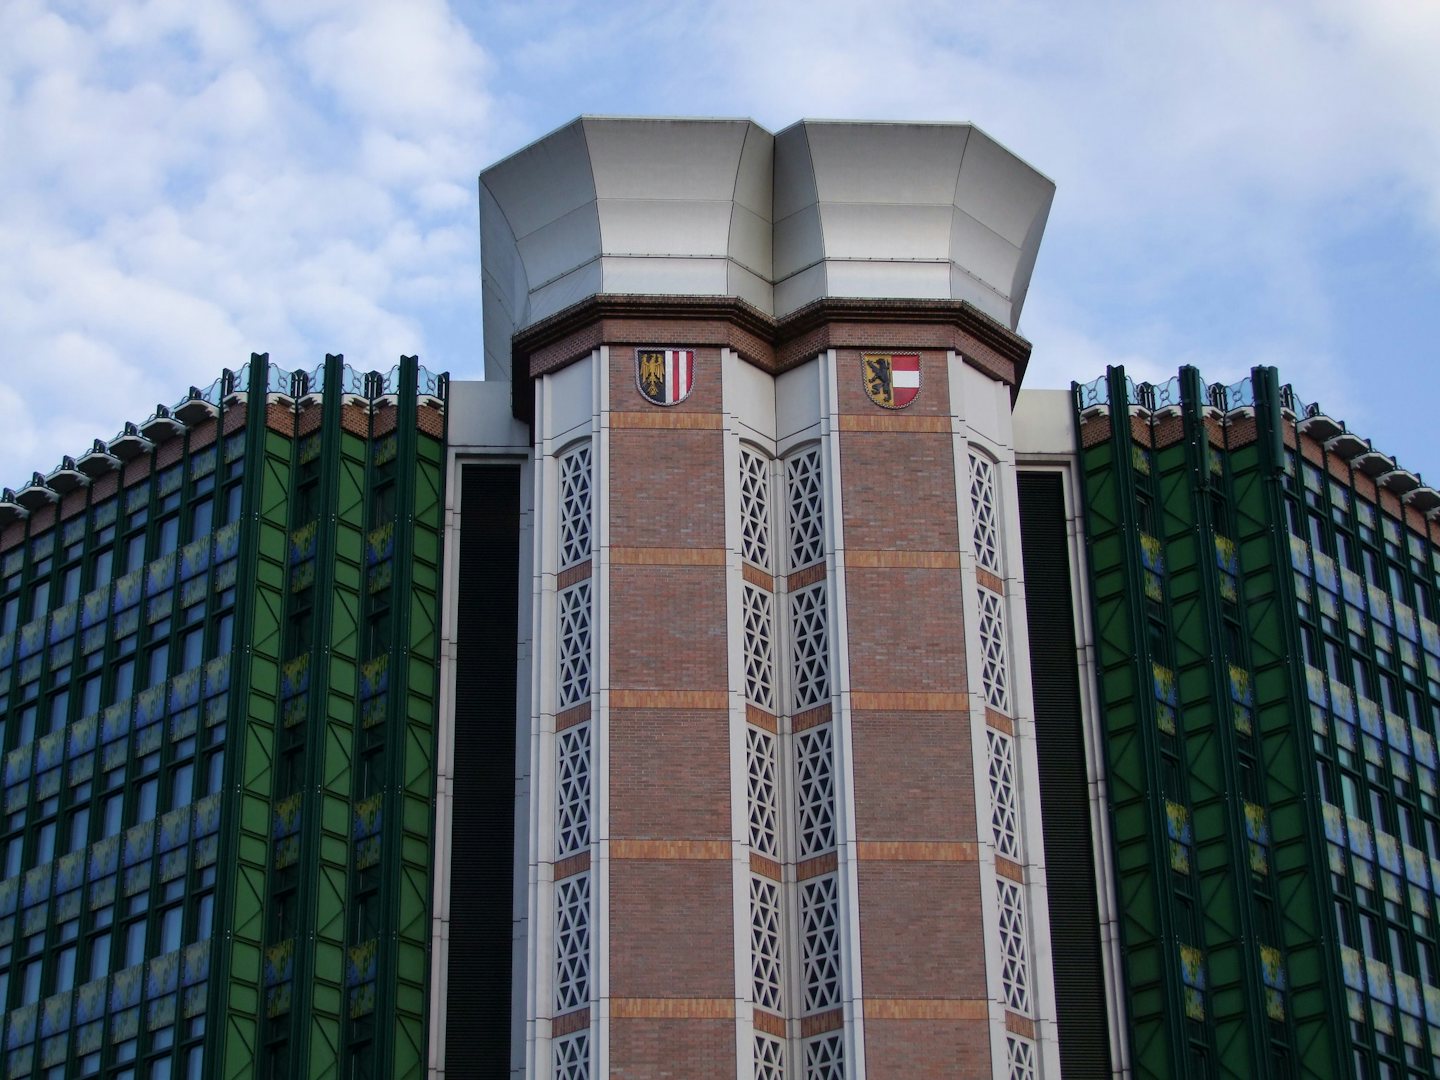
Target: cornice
<point x="773" y="345"/>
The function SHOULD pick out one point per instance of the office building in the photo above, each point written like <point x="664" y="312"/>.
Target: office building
<point x="746" y="679"/>
<point x="217" y="685"/>
<point x="1263" y="586"/>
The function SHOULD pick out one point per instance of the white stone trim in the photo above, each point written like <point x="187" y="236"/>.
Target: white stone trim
<point x="852" y="992"/>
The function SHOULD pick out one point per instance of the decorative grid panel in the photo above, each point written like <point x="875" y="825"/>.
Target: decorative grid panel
<point x="1004" y="814"/>
<point x="762" y="791"/>
<point x="820" y="943"/>
<point x="572" y="1057"/>
<point x="994" y="665"/>
<point x="765" y="947"/>
<point x="814" y="791"/>
<point x="1014" y="960"/>
<point x="982" y="513"/>
<point x="755" y="507"/>
<point x="806" y="506"/>
<point x="1021" y="1052"/>
<point x="769" y="1058"/>
<point x="572" y="942"/>
<point x="760" y="647"/>
<point x="810" y="647"/>
<point x="825" y="1057"/>
<point x="575" y="506"/>
<point x="572" y="791"/>
<point x="574" y="645"/>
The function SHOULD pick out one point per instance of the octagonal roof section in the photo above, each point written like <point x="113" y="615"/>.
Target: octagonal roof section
<point x="725" y="208"/>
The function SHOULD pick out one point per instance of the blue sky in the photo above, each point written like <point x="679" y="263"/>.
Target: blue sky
<point x="183" y="182"/>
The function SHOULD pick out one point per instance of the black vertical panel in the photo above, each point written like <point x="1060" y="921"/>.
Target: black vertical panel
<point x="482" y="879"/>
<point x="1064" y="795"/>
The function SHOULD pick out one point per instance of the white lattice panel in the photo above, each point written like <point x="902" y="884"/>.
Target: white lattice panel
<point x="572" y="942"/>
<point x="994" y="659"/>
<point x="1021" y="1054"/>
<point x="809" y="647"/>
<point x="572" y="1057"/>
<point x="769" y="1057"/>
<point x="575" y="506"/>
<point x="805" y="509"/>
<point x="814" y="791"/>
<point x="572" y="790"/>
<point x="1014" y="952"/>
<point x="982" y="513"/>
<point x="755" y="508"/>
<point x="1004" y="798"/>
<point x="820" y="943"/>
<point x="766" y="945"/>
<point x="759" y="647"/>
<point x="825" y="1057"/>
<point x="574" y="645"/>
<point x="762" y="791"/>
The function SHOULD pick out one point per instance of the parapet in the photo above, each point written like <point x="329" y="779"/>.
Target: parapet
<point x="824" y="209"/>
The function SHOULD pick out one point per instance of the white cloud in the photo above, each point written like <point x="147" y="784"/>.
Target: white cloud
<point x="185" y="182"/>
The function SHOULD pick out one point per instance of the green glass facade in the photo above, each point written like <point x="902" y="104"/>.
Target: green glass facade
<point x="1268" y="667"/>
<point x="218" y="684"/>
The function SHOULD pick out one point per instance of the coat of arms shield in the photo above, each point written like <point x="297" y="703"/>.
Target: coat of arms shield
<point x="892" y="380"/>
<point x="664" y="376"/>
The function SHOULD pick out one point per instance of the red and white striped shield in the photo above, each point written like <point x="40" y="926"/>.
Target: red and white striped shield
<point x="665" y="376"/>
<point x="892" y="380"/>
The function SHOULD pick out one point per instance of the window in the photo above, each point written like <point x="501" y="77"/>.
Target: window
<point x="158" y="664"/>
<point x="134" y="942"/>
<point x="167" y="535"/>
<point x="99" y="955"/>
<point x="202" y="517"/>
<point x="70" y="584"/>
<point x="134" y="551"/>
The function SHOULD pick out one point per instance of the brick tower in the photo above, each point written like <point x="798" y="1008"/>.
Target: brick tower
<point x="776" y="812"/>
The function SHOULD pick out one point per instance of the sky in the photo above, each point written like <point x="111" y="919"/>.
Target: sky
<point x="184" y="182"/>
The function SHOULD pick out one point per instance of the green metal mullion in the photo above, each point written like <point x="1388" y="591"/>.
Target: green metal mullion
<point x="233" y="1043"/>
<point x="1218" y="822"/>
<point x="314" y="1026"/>
<point x="393" y="813"/>
<point x="1157" y="1024"/>
<point x="1282" y="710"/>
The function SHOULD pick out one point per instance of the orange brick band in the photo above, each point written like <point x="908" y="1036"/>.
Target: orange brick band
<point x="810" y="717"/>
<point x="925" y="1008"/>
<point x="575" y="864"/>
<point x="990" y="581"/>
<point x="820" y="864"/>
<point x="665" y="418"/>
<point x="657" y="556"/>
<point x="757" y="577"/>
<point x="576" y="714"/>
<point x="1007" y="869"/>
<point x="770" y="1023"/>
<point x="768" y="868"/>
<point x="820" y="1023"/>
<point x="920" y="560"/>
<point x="572" y="574"/>
<point x="564" y="1025"/>
<point x="761" y="719"/>
<point x="1019" y="1025"/>
<point x="918" y="850"/>
<point x="903" y="701"/>
<point x="672" y="1008"/>
<point x="881" y="422"/>
<point x="670" y="849"/>
<point x="808" y="576"/>
<point x="669" y="699"/>
<point x="999" y="721"/>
